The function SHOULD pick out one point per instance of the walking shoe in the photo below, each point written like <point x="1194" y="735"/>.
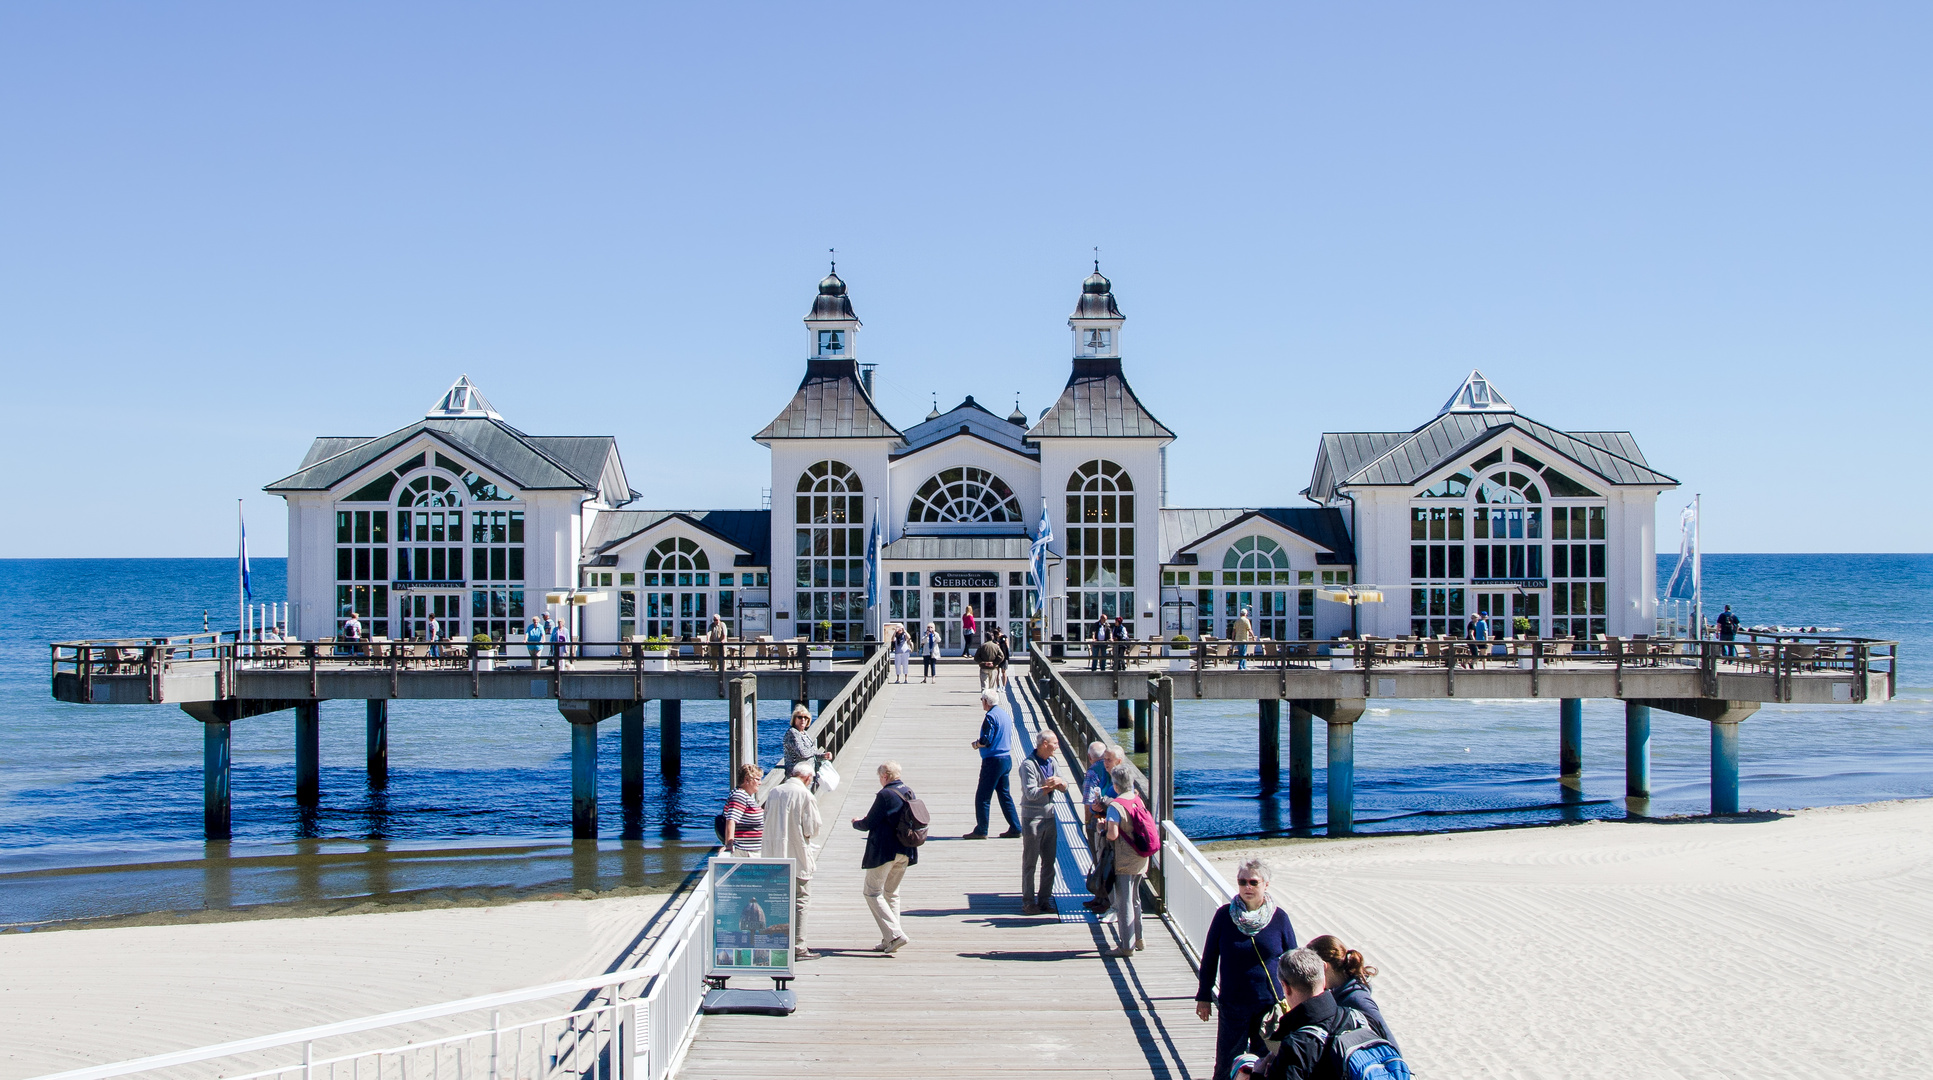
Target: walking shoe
<point x="1029" y="909"/>
<point x="974" y="836"/>
<point x="1137" y="946"/>
<point x="897" y="944"/>
<point x="803" y="953"/>
<point x="1010" y="834"/>
<point x="1050" y="908"/>
<point x="1121" y="953"/>
<point x="1097" y="905"/>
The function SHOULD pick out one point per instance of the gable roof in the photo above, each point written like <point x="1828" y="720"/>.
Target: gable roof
<point x="527" y="462"/>
<point x="829" y="404"/>
<point x="1323" y="526"/>
<point x="748" y="530"/>
<point x="969" y="417"/>
<point x="1383" y="458"/>
<point x="1098" y="403"/>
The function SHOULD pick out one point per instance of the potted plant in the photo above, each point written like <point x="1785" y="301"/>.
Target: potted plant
<point x="485" y="650"/>
<point x="819" y="652"/>
<point x="1520" y="626"/>
<point x="1180" y="653"/>
<point x="657" y="653"/>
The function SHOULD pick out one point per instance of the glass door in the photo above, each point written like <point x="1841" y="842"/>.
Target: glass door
<point x="676" y="615"/>
<point x="1493" y="608"/>
<point x="445" y="609"/>
<point x="1272" y="615"/>
<point x="949" y="606"/>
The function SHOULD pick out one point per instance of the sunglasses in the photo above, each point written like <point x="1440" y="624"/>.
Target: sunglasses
<point x="1249" y="881"/>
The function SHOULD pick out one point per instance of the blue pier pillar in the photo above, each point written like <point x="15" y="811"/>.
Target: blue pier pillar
<point x="1570" y="737"/>
<point x="1342" y="777"/>
<point x="583" y="781"/>
<point x="376" y="742"/>
<point x="1637" y="750"/>
<point x="1140" y="714"/>
<point x="1301" y="766"/>
<point x="214" y="780"/>
<point x="1724" y="766"/>
<point x="1268" y="718"/>
<point x="1127" y="713"/>
<point x="308" y="753"/>
<point x="671" y="737"/>
<point x="631" y="756"/>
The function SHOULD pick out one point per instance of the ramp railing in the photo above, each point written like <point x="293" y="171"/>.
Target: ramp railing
<point x="1195" y="890"/>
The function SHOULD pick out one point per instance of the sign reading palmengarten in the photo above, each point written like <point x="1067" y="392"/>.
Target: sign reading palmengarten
<point x="751" y="917"/>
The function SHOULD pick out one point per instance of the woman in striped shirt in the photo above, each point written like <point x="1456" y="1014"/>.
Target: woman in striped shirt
<point x="744" y="817"/>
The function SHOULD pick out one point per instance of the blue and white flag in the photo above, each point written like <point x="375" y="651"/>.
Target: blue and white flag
<point x="1038" y="556"/>
<point x="1683" y="583"/>
<point x="248" y="592"/>
<point x="872" y="564"/>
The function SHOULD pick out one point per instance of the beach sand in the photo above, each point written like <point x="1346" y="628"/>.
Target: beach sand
<point x="1773" y="945"/>
<point x="70" y="998"/>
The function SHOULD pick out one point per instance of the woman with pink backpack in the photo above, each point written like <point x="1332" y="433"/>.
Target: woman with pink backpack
<point x="1132" y="830"/>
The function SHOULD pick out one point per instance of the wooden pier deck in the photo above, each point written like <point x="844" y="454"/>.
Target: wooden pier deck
<point x="982" y="991"/>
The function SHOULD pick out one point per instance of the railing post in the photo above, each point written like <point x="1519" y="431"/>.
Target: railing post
<point x="496" y="1044"/>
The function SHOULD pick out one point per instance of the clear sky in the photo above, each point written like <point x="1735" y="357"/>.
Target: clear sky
<point x="228" y="228"/>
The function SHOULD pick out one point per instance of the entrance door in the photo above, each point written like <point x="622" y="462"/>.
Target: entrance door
<point x="420" y="609"/>
<point x="1494" y="608"/>
<point x="947" y="606"/>
<point x="1272" y="615"/>
<point x="676" y="615"/>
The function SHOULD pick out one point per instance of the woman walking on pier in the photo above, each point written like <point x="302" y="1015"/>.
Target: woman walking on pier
<point x="1248" y="935"/>
<point x="799" y="746"/>
<point x="929" y="654"/>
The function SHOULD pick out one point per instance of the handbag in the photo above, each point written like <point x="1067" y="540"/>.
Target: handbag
<point x="827" y="777"/>
<point x="1271" y="1021"/>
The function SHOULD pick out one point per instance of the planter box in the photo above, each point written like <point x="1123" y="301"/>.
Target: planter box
<point x="1181" y="663"/>
<point x="1342" y="658"/>
<point x="818" y="660"/>
<point x="487" y="662"/>
<point x="658" y="661"/>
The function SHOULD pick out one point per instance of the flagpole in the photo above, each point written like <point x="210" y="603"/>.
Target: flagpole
<point x="1698" y="564"/>
<point x="241" y="590"/>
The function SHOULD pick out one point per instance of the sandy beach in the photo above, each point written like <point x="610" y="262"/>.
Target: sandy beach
<point x="1801" y="945"/>
<point x="77" y="997"/>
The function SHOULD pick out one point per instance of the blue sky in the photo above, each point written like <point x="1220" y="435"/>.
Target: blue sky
<point x="227" y="228"/>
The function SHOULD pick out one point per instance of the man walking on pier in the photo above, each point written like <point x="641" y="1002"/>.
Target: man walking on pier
<point x="1039" y="831"/>
<point x="886" y="859"/>
<point x="791" y="821"/>
<point x="996" y="761"/>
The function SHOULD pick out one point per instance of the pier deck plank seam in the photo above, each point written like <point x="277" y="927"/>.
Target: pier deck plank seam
<point x="982" y="990"/>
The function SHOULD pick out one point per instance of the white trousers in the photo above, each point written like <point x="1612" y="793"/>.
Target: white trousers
<point x="882" y="896"/>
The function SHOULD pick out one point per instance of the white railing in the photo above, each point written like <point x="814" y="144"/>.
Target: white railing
<point x="606" y="1035"/>
<point x="1195" y="889"/>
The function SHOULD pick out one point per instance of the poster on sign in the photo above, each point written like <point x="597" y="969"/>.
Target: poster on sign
<point x="751" y="917"/>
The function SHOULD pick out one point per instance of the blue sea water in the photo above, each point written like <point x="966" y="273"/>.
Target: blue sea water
<point x="100" y="808"/>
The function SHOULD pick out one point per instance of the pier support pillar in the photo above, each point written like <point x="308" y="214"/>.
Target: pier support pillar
<point x="631" y="756"/>
<point x="1570" y="736"/>
<point x="1301" y="766"/>
<point x="1140" y="725"/>
<point x="744" y="726"/>
<point x="1341" y="715"/>
<point x="671" y="735"/>
<point x="1129" y="713"/>
<point x="376" y="741"/>
<point x="214" y="780"/>
<point x="584" y="781"/>
<point x="1637" y="750"/>
<point x="308" y="753"/>
<point x="1268" y="716"/>
<point x="1724" y="766"/>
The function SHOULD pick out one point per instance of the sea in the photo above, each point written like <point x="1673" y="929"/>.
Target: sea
<point x="100" y="807"/>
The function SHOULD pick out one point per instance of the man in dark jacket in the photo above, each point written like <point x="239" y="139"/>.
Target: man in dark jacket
<point x="886" y="859"/>
<point x="989" y="658"/>
<point x="1303" y="1054"/>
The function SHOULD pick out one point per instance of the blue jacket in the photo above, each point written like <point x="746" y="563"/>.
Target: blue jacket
<point x="1250" y="984"/>
<point x="1354" y="994"/>
<point x="996" y="733"/>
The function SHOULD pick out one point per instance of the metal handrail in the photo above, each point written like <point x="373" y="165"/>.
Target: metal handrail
<point x="670" y="948"/>
<point x="1193" y="895"/>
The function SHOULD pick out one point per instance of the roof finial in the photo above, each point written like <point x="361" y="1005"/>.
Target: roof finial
<point x="834" y="253"/>
<point x="1097" y="258"/>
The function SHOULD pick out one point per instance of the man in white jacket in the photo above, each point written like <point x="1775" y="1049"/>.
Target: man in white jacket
<point x="791" y="821"/>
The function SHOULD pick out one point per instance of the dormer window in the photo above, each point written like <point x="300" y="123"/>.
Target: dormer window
<point x="1099" y="342"/>
<point x="832" y="343"/>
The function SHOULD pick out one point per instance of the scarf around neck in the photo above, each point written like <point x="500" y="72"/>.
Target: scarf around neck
<point x="1251" y="922"/>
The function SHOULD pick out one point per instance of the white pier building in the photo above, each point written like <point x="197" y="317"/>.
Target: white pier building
<point x="1479" y="513"/>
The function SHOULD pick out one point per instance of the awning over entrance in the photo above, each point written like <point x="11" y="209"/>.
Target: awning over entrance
<point x="960" y="548"/>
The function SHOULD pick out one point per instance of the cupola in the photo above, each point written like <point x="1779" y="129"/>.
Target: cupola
<point x="1097" y="320"/>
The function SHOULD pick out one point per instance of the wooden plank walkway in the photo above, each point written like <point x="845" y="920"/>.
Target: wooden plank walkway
<point x="982" y="991"/>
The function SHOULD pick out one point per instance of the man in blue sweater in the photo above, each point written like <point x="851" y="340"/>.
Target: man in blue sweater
<point x="996" y="762"/>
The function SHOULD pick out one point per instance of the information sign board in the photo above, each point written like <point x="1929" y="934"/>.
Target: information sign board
<point x="751" y="917"/>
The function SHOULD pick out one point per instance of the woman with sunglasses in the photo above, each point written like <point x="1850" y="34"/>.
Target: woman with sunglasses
<point x="1248" y="935"/>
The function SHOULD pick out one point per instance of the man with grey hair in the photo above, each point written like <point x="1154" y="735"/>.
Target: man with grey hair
<point x="1314" y="1021"/>
<point x="1039" y="831"/>
<point x="996" y="764"/>
<point x="886" y="858"/>
<point x="791" y="821"/>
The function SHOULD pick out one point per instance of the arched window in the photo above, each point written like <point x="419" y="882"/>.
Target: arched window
<point x="676" y="554"/>
<point x="1100" y="548"/>
<point x="1255" y="571"/>
<point x="1257" y="554"/>
<point x="1509" y="488"/>
<point x="430" y="490"/>
<point x="677" y="582"/>
<point x="829" y="546"/>
<point x="965" y="494"/>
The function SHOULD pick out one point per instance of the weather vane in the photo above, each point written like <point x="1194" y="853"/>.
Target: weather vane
<point x="834" y="252"/>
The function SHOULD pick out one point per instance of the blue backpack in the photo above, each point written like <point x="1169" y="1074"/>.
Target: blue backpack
<point x="1362" y="1054"/>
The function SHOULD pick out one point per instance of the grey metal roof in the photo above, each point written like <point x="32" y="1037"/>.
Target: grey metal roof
<point x="1097" y="298"/>
<point x="748" y="530"/>
<point x="969" y="417"/>
<point x="1371" y="458"/>
<point x="1322" y="526"/>
<point x="830" y="404"/>
<point x="959" y="548"/>
<point x="1097" y="402"/>
<point x="527" y="462"/>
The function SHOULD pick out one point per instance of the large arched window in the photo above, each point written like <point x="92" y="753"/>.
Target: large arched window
<point x="1255" y="571"/>
<point x="965" y="494"/>
<point x="677" y="582"/>
<point x="829" y="546"/>
<point x="1100" y="548"/>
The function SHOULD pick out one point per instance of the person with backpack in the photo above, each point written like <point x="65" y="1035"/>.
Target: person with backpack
<point x="996" y="763"/>
<point x="1247" y="937"/>
<point x="1131" y="831"/>
<point x="895" y="828"/>
<point x="1347" y="975"/>
<point x="1322" y="1039"/>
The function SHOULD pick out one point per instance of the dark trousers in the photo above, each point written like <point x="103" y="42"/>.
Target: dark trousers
<point x="930" y="669"/>
<point x="993" y="777"/>
<point x="1039" y="848"/>
<point x="1234" y="1034"/>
